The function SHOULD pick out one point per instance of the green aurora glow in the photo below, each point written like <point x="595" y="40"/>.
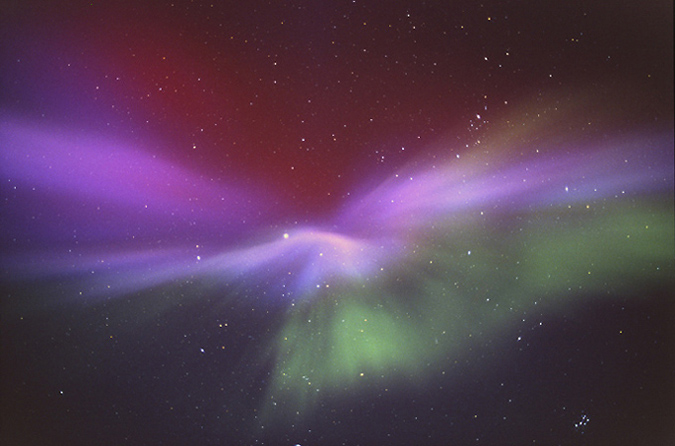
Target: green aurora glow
<point x="469" y="281"/>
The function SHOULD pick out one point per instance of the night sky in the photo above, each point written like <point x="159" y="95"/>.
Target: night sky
<point x="337" y="223"/>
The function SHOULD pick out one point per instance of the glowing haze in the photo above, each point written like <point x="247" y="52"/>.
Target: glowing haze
<point x="390" y="289"/>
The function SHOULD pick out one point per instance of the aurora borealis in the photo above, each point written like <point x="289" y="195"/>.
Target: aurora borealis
<point x="337" y="224"/>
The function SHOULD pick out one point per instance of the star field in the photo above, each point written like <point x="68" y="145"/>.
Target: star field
<point x="344" y="222"/>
